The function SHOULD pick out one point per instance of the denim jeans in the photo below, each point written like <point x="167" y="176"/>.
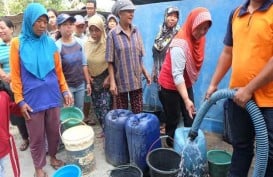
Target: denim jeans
<point x="2" y="164"/>
<point x="242" y="132"/>
<point x="78" y="95"/>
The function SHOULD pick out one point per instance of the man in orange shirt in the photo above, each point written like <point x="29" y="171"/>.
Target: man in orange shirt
<point x="250" y="56"/>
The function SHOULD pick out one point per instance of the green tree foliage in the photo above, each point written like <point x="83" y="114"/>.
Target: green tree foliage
<point x="13" y="7"/>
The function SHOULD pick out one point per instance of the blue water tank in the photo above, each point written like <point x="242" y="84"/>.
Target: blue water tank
<point x="193" y="153"/>
<point x="116" y="148"/>
<point x="143" y="135"/>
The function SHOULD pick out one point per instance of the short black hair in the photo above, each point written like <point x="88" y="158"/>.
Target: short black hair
<point x="7" y="21"/>
<point x="92" y="1"/>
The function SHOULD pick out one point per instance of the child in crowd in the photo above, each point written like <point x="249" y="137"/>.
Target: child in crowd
<point x="7" y="145"/>
<point x="111" y="22"/>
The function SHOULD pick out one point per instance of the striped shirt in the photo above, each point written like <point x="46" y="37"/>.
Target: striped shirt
<point x="4" y="57"/>
<point x="125" y="52"/>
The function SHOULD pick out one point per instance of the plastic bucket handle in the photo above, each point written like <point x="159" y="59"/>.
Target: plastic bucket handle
<point x="63" y="122"/>
<point x="161" y="137"/>
<point x="121" y="167"/>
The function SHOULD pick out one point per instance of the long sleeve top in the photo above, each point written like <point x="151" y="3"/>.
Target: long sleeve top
<point x="39" y="94"/>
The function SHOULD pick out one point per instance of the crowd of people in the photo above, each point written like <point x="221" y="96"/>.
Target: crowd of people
<point x="60" y="60"/>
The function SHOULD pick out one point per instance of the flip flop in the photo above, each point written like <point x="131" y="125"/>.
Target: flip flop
<point x="24" y="145"/>
<point x="57" y="164"/>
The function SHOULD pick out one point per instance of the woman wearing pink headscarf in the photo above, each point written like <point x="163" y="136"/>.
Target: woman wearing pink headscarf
<point x="181" y="68"/>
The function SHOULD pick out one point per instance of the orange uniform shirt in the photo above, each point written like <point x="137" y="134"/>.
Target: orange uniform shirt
<point x="252" y="48"/>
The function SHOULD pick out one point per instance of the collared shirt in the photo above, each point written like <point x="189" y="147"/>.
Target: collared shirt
<point x="251" y="36"/>
<point x="4" y="57"/>
<point x="243" y="11"/>
<point x="125" y="52"/>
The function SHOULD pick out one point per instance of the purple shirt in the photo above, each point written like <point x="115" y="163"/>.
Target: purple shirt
<point x="125" y="52"/>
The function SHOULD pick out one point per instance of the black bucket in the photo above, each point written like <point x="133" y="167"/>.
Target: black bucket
<point x="126" y="171"/>
<point x="163" y="162"/>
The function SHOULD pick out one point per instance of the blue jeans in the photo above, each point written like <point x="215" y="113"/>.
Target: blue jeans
<point x="2" y="164"/>
<point x="242" y="132"/>
<point x="78" y="95"/>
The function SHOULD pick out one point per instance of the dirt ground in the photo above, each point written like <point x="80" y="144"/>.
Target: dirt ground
<point x="102" y="168"/>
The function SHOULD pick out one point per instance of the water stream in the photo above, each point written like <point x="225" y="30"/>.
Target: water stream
<point x="192" y="164"/>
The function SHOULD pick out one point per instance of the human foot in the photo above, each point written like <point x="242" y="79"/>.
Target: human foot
<point x="24" y="145"/>
<point x="40" y="173"/>
<point x="56" y="164"/>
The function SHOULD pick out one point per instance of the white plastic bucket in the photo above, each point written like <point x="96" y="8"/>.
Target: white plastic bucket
<point x="79" y="145"/>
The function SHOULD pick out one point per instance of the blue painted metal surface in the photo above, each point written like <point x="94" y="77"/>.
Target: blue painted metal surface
<point x="148" y="18"/>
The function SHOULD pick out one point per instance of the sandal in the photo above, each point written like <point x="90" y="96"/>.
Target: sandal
<point x="24" y="145"/>
<point x="57" y="164"/>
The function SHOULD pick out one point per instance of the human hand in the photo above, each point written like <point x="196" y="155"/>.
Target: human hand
<point x="106" y="82"/>
<point x="242" y="96"/>
<point x="25" y="110"/>
<point x="6" y="78"/>
<point x="88" y="89"/>
<point x="190" y="108"/>
<point x="68" y="99"/>
<point x="210" y="91"/>
<point x="113" y="89"/>
<point x="149" y="80"/>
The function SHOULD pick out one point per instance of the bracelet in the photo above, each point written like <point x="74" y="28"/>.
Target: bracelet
<point x="88" y="83"/>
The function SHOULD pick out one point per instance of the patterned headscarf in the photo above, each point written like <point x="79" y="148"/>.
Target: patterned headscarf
<point x="185" y="40"/>
<point x="36" y="52"/>
<point x="162" y="42"/>
<point x="166" y="34"/>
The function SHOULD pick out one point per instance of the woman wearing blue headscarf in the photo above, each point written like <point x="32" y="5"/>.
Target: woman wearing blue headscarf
<point x="38" y="84"/>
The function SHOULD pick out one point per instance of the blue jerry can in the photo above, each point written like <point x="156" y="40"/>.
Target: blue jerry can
<point x="116" y="148"/>
<point x="142" y="130"/>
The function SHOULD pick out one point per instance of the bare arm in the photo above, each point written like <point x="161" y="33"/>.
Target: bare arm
<point x="113" y="86"/>
<point x="4" y="76"/>
<point x="224" y="63"/>
<point x="146" y="74"/>
<point x="182" y="89"/>
<point x="87" y="80"/>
